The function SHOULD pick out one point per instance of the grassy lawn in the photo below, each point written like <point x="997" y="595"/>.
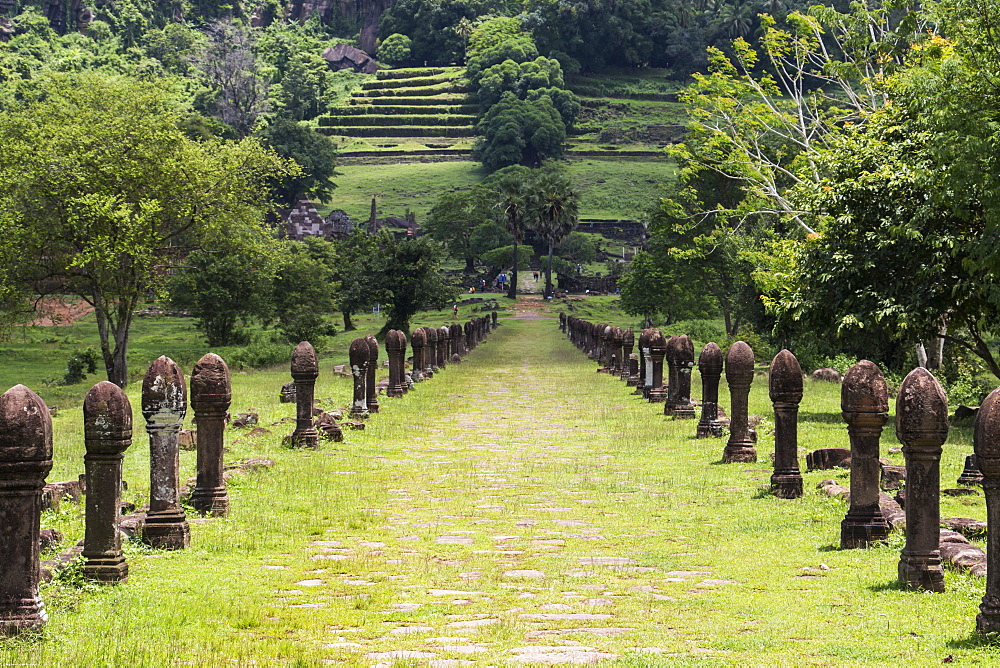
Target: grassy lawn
<point x="516" y="501"/>
<point x="609" y="188"/>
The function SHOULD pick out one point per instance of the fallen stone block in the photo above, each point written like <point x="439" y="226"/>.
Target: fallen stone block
<point x="828" y="458"/>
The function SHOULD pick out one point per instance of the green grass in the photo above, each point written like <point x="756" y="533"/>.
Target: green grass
<point x="521" y="444"/>
<point x="621" y="188"/>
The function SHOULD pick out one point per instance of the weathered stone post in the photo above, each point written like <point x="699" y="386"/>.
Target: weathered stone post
<point x="670" y="364"/>
<point x="395" y="350"/>
<point x="684" y="409"/>
<point x="370" y="377"/>
<point x="456" y="339"/>
<point x="971" y="475"/>
<point x="657" y="349"/>
<point x="562" y="321"/>
<point x="358" y="354"/>
<point x="496" y="323"/>
<point x="646" y="363"/>
<point x="628" y="344"/>
<point x="432" y="349"/>
<point x="470" y="336"/>
<point x="305" y="370"/>
<point x="25" y="460"/>
<point x="444" y="341"/>
<point x="785" y="389"/>
<point x="107" y="429"/>
<point x="739" y="376"/>
<point x="164" y="404"/>
<point x="922" y="428"/>
<point x="617" y="342"/>
<point x="710" y="367"/>
<point x="986" y="441"/>
<point x="417" y="343"/>
<point x="211" y="395"/>
<point x="864" y="401"/>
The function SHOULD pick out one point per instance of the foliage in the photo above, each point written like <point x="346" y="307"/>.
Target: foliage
<point x="225" y="291"/>
<point x="577" y="247"/>
<point x="502" y="258"/>
<point x="228" y="65"/>
<point x="132" y="192"/>
<point x="553" y="211"/>
<point x="456" y="216"/>
<point x="79" y="365"/>
<point x="406" y="278"/>
<point x="394" y="49"/>
<point x="488" y="236"/>
<point x="520" y="132"/>
<point x="315" y="154"/>
<point x="305" y="290"/>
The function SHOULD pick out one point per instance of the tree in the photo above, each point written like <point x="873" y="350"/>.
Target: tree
<point x="512" y="209"/>
<point x="304" y="290"/>
<point x="406" y="277"/>
<point x="229" y="67"/>
<point x="553" y="210"/>
<point x="225" y="292"/>
<point x="394" y="49"/>
<point x="100" y="192"/>
<point x="519" y="132"/>
<point x="353" y="273"/>
<point x="316" y="154"/>
<point x="455" y="216"/>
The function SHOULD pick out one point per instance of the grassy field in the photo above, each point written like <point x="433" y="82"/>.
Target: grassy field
<point x="516" y="508"/>
<point x="609" y="188"/>
<point x="36" y="356"/>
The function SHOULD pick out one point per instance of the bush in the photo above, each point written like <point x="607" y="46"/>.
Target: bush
<point x="701" y="331"/>
<point x="79" y="365"/>
<point x="394" y="49"/>
<point x="260" y="353"/>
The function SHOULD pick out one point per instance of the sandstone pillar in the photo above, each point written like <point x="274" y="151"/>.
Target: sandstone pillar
<point x="25" y="460"/>
<point x="395" y="350"/>
<point x="418" y="341"/>
<point x="864" y="401"/>
<point x="628" y="344"/>
<point x="107" y="428"/>
<point x="359" y="354"/>
<point x="785" y="389"/>
<point x="670" y="365"/>
<point x="430" y="352"/>
<point x="986" y="441"/>
<point x="370" y="387"/>
<point x="922" y="427"/>
<point x="444" y="341"/>
<point x="305" y="370"/>
<point x="739" y="376"/>
<point x="710" y="367"/>
<point x="211" y="394"/>
<point x="164" y="404"/>
<point x="657" y="350"/>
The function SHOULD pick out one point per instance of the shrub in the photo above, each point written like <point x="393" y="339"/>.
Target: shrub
<point x="394" y="49"/>
<point x="79" y="365"/>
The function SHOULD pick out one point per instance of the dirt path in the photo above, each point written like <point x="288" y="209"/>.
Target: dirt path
<point x="57" y="311"/>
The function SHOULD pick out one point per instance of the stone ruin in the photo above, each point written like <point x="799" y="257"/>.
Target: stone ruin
<point x="346" y="57"/>
<point x="304" y="221"/>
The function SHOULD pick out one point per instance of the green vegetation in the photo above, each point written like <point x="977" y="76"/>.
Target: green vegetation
<point x="595" y="472"/>
<point x="622" y="188"/>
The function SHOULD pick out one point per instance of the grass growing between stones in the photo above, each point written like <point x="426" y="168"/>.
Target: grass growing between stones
<point x="517" y="507"/>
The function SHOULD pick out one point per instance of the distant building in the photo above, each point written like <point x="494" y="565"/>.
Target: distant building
<point x="345" y="57"/>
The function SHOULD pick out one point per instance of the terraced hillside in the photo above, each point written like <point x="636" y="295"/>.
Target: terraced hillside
<point x="414" y="102"/>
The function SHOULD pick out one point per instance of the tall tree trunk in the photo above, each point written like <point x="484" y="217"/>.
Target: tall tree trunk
<point x="470" y="263"/>
<point x="548" y="276"/>
<point x="348" y="325"/>
<point x="512" y="292"/>
<point x="114" y="331"/>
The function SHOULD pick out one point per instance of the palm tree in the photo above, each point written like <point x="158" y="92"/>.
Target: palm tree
<point x="510" y="208"/>
<point x="464" y="30"/>
<point x="553" y="207"/>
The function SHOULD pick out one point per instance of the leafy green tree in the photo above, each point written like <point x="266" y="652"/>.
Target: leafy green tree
<point x="225" y="292"/>
<point x="501" y="258"/>
<point x="553" y="206"/>
<point x="316" y="154"/>
<point x="132" y="194"/>
<point x="407" y="278"/>
<point x="488" y="236"/>
<point x="454" y="218"/>
<point x="354" y="274"/>
<point x="305" y="289"/>
<point x="578" y="248"/>
<point x="511" y="206"/>
<point x="229" y="68"/>
<point x="394" y="49"/>
<point x="300" y="94"/>
<point x="520" y="132"/>
<point x="492" y="31"/>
